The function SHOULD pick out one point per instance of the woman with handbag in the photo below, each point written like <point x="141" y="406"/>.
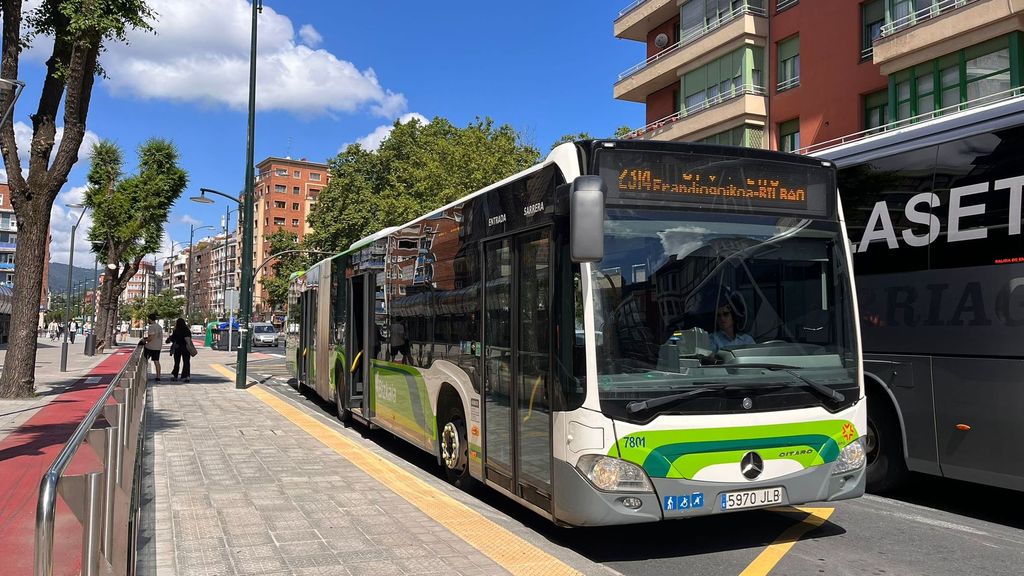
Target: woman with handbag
<point x="182" y="349"/>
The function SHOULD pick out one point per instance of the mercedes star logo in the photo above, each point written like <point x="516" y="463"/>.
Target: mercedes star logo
<point x="751" y="465"/>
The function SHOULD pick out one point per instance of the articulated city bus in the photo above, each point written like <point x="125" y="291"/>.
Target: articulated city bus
<point x="627" y="332"/>
<point x="934" y="212"/>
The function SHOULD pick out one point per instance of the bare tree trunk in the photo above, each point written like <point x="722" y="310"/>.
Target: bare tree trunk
<point x="18" y="379"/>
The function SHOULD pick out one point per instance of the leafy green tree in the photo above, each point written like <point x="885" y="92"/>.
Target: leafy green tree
<point x="166" y="305"/>
<point x="276" y="281"/>
<point x="80" y="29"/>
<point x="416" y="169"/>
<point x="129" y="213"/>
<point x="622" y="131"/>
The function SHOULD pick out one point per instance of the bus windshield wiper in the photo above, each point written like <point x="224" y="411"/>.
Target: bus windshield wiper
<point x="641" y="405"/>
<point x="825" y="391"/>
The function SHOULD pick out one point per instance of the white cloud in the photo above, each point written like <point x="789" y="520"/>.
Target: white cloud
<point x="186" y="219"/>
<point x="23" y="139"/>
<point x="61" y="221"/>
<point x="200" y="53"/>
<point x="310" y="37"/>
<point x="373" y="140"/>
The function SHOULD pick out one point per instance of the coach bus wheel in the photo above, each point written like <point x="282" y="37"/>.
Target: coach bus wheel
<point x="886" y="469"/>
<point x="455" y="448"/>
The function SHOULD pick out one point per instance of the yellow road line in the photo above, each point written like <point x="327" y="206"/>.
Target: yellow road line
<point x="771" y="555"/>
<point x="507" y="549"/>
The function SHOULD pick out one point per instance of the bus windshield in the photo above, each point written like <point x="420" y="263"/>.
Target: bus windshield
<point x="753" y="310"/>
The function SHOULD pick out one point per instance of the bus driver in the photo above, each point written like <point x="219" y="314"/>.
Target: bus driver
<point x="728" y="316"/>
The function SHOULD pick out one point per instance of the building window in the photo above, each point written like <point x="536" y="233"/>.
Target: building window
<point x="314" y="191"/>
<point x="280" y="188"/>
<point x="876" y="107"/>
<point x="278" y="221"/>
<point x="789" y="63"/>
<point x="789" y="135"/>
<point x="970" y="77"/>
<point x="280" y="204"/>
<point x="295" y="190"/>
<point x="731" y="75"/>
<point x="295" y="205"/>
<point x="872" y="17"/>
<point x="281" y="172"/>
<point x="296" y="174"/>
<point x="315" y="177"/>
<point x="295" y="222"/>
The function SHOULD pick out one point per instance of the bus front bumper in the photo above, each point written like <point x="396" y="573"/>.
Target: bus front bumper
<point x="578" y="503"/>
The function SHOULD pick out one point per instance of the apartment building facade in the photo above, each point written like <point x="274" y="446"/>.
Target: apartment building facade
<point x="285" y="192"/>
<point x="8" y="245"/>
<point x="214" y="269"/>
<point x="788" y="75"/>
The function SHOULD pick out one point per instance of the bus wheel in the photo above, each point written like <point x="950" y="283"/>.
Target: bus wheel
<point x="886" y="469"/>
<point x="455" y="448"/>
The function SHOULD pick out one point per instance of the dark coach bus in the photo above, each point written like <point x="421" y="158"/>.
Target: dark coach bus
<point x="934" y="216"/>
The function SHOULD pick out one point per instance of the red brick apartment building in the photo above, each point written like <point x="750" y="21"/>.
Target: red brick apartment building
<point x="789" y="74"/>
<point x="285" y="192"/>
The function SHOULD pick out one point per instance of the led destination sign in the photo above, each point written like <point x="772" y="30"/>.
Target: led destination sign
<point x="696" y="184"/>
<point x="721" y="182"/>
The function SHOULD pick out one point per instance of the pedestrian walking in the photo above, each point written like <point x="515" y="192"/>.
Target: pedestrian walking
<point x="181" y="349"/>
<point x="154" y="341"/>
<point x="72" y="330"/>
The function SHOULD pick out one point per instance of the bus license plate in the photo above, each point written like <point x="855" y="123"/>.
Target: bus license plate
<point x="751" y="498"/>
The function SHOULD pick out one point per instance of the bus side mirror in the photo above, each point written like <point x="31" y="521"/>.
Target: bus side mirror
<point x="586" y="219"/>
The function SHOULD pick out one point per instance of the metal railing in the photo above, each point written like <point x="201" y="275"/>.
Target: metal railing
<point x="105" y="501"/>
<point x="914" y="120"/>
<point x="629" y="8"/>
<point x="926" y="13"/>
<point x="783" y="4"/>
<point x="691" y="37"/>
<point x="788" y="83"/>
<point x="746" y="89"/>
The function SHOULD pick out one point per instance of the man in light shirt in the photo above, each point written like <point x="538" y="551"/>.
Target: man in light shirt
<point x="154" y="342"/>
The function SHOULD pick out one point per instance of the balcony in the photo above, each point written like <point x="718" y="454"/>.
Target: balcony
<point x="744" y="25"/>
<point x="704" y="119"/>
<point x="642" y="16"/>
<point x="7" y="246"/>
<point x="943" y="28"/>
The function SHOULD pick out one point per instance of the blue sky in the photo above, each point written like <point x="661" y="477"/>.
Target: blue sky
<point x="331" y="73"/>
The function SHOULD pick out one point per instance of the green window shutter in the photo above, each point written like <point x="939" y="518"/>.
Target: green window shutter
<point x="789" y="48"/>
<point x="789" y="127"/>
<point x="695" y="81"/>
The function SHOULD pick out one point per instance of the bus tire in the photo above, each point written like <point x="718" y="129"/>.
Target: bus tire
<point x="344" y="414"/>
<point x="886" y="467"/>
<point x="454" y="447"/>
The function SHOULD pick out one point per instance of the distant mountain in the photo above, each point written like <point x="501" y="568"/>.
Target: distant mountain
<point x="58" y="278"/>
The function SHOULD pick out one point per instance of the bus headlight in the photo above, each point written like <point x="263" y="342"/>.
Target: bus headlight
<point x="851" y="458"/>
<point x="614" y="475"/>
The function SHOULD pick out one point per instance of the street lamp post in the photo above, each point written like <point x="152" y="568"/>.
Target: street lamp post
<point x="67" y="302"/>
<point x="245" y="293"/>
<point x="188" y="272"/>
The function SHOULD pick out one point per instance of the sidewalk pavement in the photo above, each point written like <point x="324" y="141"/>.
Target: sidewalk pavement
<point x="238" y="488"/>
<point x="32" y="432"/>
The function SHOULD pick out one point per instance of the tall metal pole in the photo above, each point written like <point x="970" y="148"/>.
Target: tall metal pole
<point x="188" y="275"/>
<point x="245" y="295"/>
<point x="224" y="264"/>
<point x="95" y="300"/>
<point x="67" y="299"/>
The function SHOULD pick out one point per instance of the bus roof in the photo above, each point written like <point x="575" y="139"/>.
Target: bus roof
<point x="563" y="155"/>
<point x="945" y="128"/>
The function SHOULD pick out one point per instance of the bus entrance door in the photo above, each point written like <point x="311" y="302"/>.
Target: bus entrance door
<point x="358" y="369"/>
<point x="517" y="329"/>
